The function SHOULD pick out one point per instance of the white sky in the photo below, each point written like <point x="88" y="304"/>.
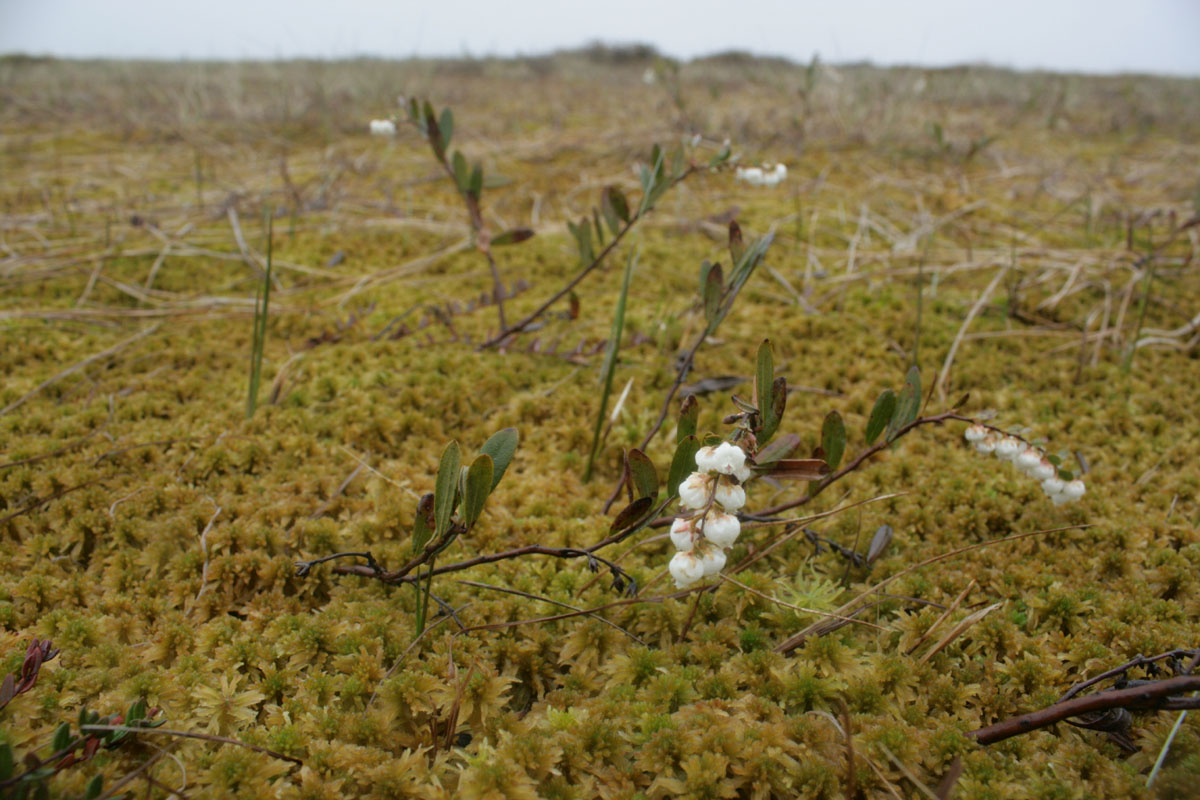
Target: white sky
<point x="1161" y="36"/>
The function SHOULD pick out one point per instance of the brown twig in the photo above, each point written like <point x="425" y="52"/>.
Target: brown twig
<point x="207" y="737"/>
<point x="1153" y="695"/>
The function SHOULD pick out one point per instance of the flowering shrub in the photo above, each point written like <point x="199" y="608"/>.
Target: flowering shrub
<point x="1060" y="485"/>
<point x="702" y="535"/>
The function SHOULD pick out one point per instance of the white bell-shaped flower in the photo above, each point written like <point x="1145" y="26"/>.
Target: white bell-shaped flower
<point x="1028" y="460"/>
<point x="987" y="444"/>
<point x="682" y="534"/>
<point x="720" y="529"/>
<point x="382" y="127"/>
<point x="975" y="433"/>
<point x="730" y="495"/>
<point x="686" y="569"/>
<point x="713" y="560"/>
<point x="1008" y="447"/>
<point x="1043" y="471"/>
<point x="1074" y="490"/>
<point x="696" y="490"/>
<point x="1053" y="486"/>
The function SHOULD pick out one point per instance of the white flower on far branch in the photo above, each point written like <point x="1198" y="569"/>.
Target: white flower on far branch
<point x="1029" y="459"/>
<point x="383" y="127"/>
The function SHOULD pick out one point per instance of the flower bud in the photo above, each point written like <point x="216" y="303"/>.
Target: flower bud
<point x="686" y="569"/>
<point x="694" y="492"/>
<point x="720" y="529"/>
<point x="682" y="535"/>
<point x="730" y="496"/>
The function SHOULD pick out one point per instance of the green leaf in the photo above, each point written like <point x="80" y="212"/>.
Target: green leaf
<point x="615" y="199"/>
<point x="6" y="761"/>
<point x="778" y="406"/>
<point x="683" y="463"/>
<point x="906" y="405"/>
<point x="423" y="523"/>
<point x="62" y="737"/>
<point x="462" y="174"/>
<point x="881" y="414"/>
<point x="632" y="514"/>
<point x="677" y="164"/>
<point x="913" y="379"/>
<point x="714" y="287"/>
<point x="501" y="447"/>
<point x="475" y="185"/>
<point x="764" y="382"/>
<point x="643" y="473"/>
<point x="833" y="438"/>
<point x="610" y="216"/>
<point x="512" y="236"/>
<point x="721" y="157"/>
<point x="94" y="788"/>
<point x="689" y="415"/>
<point x="737" y="246"/>
<point x="598" y="226"/>
<point x="446" y="127"/>
<point x="136" y="712"/>
<point x="445" y="493"/>
<point x="478" y="487"/>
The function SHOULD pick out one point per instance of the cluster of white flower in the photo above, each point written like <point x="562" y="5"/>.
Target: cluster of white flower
<point x="1028" y="459"/>
<point x="383" y="127"/>
<point x="762" y="176"/>
<point x="702" y="538"/>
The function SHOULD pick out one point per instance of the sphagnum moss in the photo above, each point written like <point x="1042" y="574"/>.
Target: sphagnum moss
<point x="127" y="460"/>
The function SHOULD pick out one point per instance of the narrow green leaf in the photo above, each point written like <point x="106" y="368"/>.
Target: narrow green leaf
<point x="599" y="227"/>
<point x="610" y="216"/>
<point x="764" y="380"/>
<point x="610" y="363"/>
<point x="136" y="712"/>
<point x="445" y="493"/>
<point x="913" y="379"/>
<point x="881" y="414"/>
<point x="714" y="286"/>
<point x="479" y="485"/>
<point x="677" y="164"/>
<point x="512" y="236"/>
<point x="94" y="788"/>
<point x="423" y="523"/>
<point x="62" y="737"/>
<point x="6" y="761"/>
<point x="833" y="438"/>
<point x="446" y="127"/>
<point x="737" y="246"/>
<point x="905" y="412"/>
<point x="778" y="406"/>
<point x="462" y="174"/>
<point x="414" y="110"/>
<point x="616" y="200"/>
<point x="683" y="463"/>
<point x="632" y="514"/>
<point x="689" y="415"/>
<point x="501" y="447"/>
<point x="475" y="185"/>
<point x="643" y="473"/>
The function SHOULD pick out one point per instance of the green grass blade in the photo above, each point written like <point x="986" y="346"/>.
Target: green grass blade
<point x="610" y="364"/>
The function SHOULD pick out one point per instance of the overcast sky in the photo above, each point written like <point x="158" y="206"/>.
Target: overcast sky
<point x="1161" y="36"/>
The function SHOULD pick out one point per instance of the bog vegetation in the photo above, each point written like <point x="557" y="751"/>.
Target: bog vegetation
<point x="469" y="429"/>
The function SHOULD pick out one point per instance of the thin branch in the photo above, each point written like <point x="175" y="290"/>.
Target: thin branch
<point x="207" y="737"/>
<point x="1152" y="695"/>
